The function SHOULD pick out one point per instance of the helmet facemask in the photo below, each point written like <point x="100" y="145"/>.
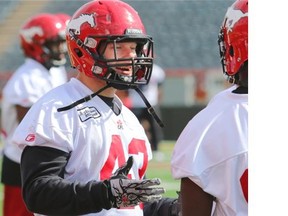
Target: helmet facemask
<point x="223" y="58"/>
<point x="105" y="68"/>
<point x="54" y="52"/>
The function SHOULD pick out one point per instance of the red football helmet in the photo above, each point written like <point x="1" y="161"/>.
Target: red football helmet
<point x="43" y="39"/>
<point x="98" y="23"/>
<point x="64" y="17"/>
<point x="233" y="39"/>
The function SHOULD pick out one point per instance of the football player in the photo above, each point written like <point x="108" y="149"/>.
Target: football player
<point x="211" y="154"/>
<point x="42" y="39"/>
<point x="85" y="153"/>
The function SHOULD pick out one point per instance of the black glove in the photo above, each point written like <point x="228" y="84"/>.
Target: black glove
<point x="175" y="206"/>
<point x="124" y="192"/>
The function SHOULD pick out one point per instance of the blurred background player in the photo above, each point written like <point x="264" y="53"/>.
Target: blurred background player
<point x="154" y="93"/>
<point x="64" y="17"/>
<point x="211" y="154"/>
<point x="42" y="39"/>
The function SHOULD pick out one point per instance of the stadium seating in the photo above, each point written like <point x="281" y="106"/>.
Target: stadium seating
<point x="185" y="32"/>
<point x="6" y="7"/>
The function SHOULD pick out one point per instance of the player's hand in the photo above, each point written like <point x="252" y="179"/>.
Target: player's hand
<point x="124" y="192"/>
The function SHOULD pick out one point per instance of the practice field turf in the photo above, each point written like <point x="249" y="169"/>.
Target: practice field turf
<point x="156" y="168"/>
<point x="161" y="169"/>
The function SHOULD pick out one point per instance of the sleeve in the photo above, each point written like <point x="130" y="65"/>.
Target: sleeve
<point x="44" y="126"/>
<point x="45" y="190"/>
<point x="160" y="74"/>
<point x="164" y="207"/>
<point x="26" y="88"/>
<point x="17" y="92"/>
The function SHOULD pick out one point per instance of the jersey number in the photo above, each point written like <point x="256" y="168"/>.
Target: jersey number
<point x="116" y="152"/>
<point x="244" y="184"/>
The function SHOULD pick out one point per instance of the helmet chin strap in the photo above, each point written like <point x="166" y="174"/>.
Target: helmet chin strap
<point x="149" y="107"/>
<point x="85" y="99"/>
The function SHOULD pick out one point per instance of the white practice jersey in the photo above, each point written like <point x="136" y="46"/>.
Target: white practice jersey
<point x="29" y="82"/>
<point x="212" y="151"/>
<point x="97" y="139"/>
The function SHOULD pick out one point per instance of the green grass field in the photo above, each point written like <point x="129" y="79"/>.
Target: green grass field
<point x="159" y="169"/>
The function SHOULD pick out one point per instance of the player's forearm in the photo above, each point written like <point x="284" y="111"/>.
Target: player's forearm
<point x="46" y="192"/>
<point x="68" y="199"/>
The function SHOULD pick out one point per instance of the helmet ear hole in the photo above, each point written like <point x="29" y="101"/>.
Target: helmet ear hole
<point x="231" y="51"/>
<point x="78" y="52"/>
